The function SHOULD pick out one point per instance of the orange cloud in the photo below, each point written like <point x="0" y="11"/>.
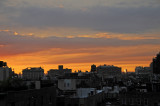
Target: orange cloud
<point x="120" y="36"/>
<point x="2" y="45"/>
<point x="77" y="52"/>
<point x="6" y="30"/>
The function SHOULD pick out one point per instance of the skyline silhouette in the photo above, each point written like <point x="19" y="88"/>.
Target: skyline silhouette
<point x="155" y="58"/>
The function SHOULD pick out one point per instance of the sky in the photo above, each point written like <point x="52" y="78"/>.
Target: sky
<point x="79" y="33"/>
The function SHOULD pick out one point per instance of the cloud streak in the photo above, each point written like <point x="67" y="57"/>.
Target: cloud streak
<point x="17" y="44"/>
<point x="104" y="18"/>
<point x="120" y="20"/>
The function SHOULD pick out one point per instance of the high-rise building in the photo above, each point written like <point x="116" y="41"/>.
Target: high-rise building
<point x="2" y="64"/>
<point x="5" y="71"/>
<point x="156" y="64"/>
<point x="93" y="68"/>
<point x="60" y="67"/>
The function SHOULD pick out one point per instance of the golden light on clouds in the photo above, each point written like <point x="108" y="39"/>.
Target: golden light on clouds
<point x="15" y="33"/>
<point x="81" y="59"/>
<point x="26" y="51"/>
<point x="79" y="33"/>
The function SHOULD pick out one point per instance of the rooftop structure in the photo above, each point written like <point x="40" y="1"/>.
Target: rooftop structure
<point x="52" y="73"/>
<point x="109" y="70"/>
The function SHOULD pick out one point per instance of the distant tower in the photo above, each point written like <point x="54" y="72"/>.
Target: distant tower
<point x="93" y="68"/>
<point x="125" y="70"/>
<point x="60" y="67"/>
<point x="5" y="71"/>
<point x="156" y="64"/>
<point x="151" y="67"/>
<point x="2" y="64"/>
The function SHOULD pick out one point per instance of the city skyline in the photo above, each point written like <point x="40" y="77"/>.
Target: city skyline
<point x="78" y="34"/>
<point x="76" y="69"/>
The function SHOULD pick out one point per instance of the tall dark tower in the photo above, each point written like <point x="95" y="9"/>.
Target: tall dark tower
<point x="156" y="64"/>
<point x="3" y="64"/>
<point x="93" y="68"/>
<point x="60" y="67"/>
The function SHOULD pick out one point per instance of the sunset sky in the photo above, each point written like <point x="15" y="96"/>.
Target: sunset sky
<point x="79" y="33"/>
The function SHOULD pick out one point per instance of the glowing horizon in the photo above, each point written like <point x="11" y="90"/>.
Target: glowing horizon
<point x="74" y="67"/>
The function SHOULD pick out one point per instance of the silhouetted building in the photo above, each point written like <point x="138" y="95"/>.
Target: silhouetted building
<point x="93" y="68"/>
<point x="83" y="97"/>
<point x="33" y="73"/>
<point x="139" y="99"/>
<point x="143" y="70"/>
<point x="2" y="64"/>
<point x="35" y="97"/>
<point x="60" y="67"/>
<point x="113" y="91"/>
<point x="108" y="70"/>
<point x="52" y="73"/>
<point x="5" y="71"/>
<point x="151" y="66"/>
<point x="67" y="84"/>
<point x="156" y="64"/>
<point x="70" y="81"/>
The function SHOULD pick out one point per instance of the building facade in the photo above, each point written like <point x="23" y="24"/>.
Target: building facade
<point x="83" y="97"/>
<point x="33" y="73"/>
<point x="67" y="84"/>
<point x="5" y="71"/>
<point x="108" y="70"/>
<point x="140" y="99"/>
<point x="52" y="73"/>
<point x="143" y="70"/>
<point x="156" y="64"/>
<point x="35" y="97"/>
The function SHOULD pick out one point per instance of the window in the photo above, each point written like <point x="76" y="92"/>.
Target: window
<point x="91" y="92"/>
<point x="138" y="101"/>
<point x="145" y="101"/>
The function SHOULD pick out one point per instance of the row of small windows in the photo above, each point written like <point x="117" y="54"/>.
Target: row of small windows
<point x="32" y="101"/>
<point x="135" y="101"/>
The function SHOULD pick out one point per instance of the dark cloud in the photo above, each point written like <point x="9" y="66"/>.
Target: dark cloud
<point x="120" y="20"/>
